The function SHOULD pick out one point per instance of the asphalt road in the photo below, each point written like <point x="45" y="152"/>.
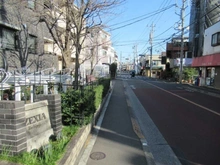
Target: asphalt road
<point x="188" y="121"/>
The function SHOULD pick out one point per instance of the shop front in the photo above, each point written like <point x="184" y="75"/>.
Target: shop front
<point x="209" y="67"/>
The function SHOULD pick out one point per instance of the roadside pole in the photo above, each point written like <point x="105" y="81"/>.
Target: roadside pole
<point x="151" y="48"/>
<point x="182" y="41"/>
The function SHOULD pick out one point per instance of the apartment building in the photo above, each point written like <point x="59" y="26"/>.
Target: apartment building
<point x="101" y="53"/>
<point x="24" y="41"/>
<point x="204" y="13"/>
<point x="173" y="51"/>
<point x="39" y="48"/>
<point x="204" y="40"/>
<point x="209" y="62"/>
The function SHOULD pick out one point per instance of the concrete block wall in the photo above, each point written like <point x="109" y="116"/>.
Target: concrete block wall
<point x="12" y="127"/>
<point x="54" y="106"/>
<point x="75" y="146"/>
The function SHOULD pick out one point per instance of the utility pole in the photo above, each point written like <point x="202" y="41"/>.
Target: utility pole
<point x="182" y="15"/>
<point x="151" y="48"/>
<point x="135" y="54"/>
<point x="135" y="58"/>
<point x="120" y="62"/>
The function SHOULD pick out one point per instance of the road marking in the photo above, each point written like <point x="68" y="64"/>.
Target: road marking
<point x="207" y="109"/>
<point x="132" y="86"/>
<point x="144" y="144"/>
<point x="128" y="103"/>
<point x="189" y="90"/>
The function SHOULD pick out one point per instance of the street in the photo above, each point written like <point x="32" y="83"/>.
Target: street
<point x="188" y="120"/>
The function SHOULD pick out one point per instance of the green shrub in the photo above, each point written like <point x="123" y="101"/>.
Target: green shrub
<point x="70" y="103"/>
<point x="105" y="82"/>
<point x="189" y="73"/>
<point x="78" y="106"/>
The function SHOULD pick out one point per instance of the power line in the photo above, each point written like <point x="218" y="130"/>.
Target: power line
<point x="175" y="34"/>
<point x="141" y="18"/>
<point x="132" y="19"/>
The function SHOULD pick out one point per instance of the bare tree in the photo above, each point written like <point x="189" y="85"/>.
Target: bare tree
<point x="94" y="57"/>
<point x="24" y="27"/>
<point x="69" y="21"/>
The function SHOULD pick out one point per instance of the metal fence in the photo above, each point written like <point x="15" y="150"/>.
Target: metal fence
<point x="26" y="86"/>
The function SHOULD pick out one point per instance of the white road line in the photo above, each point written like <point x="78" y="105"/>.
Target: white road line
<point x="132" y="86"/>
<point x="205" y="108"/>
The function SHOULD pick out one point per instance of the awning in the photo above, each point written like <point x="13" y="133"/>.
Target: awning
<point x="208" y="60"/>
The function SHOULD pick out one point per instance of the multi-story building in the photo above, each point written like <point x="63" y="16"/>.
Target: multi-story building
<point x="173" y="50"/>
<point x="26" y="16"/>
<point x="24" y="41"/>
<point x="209" y="62"/>
<point x="155" y="67"/>
<point x="204" y="13"/>
<point x="100" y="53"/>
<point x="204" y="40"/>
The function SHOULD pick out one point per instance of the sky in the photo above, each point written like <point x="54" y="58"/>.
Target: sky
<point x="133" y="21"/>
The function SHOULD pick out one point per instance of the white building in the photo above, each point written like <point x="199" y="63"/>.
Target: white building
<point x="209" y="63"/>
<point x="100" y="53"/>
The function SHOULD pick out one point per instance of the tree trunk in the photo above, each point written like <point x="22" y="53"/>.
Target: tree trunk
<point x="78" y="50"/>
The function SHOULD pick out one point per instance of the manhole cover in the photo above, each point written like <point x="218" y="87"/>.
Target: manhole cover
<point x="97" y="155"/>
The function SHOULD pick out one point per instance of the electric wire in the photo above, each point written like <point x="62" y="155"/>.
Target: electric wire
<point x="128" y="24"/>
<point x="175" y="34"/>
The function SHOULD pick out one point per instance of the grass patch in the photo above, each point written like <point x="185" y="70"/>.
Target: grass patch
<point x="44" y="156"/>
<point x="98" y="95"/>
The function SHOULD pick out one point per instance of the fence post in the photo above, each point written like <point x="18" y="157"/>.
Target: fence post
<point x="54" y="105"/>
<point x="55" y="88"/>
<point x="13" y="127"/>
<point x="17" y="92"/>
<point x="45" y="88"/>
<point x="32" y="94"/>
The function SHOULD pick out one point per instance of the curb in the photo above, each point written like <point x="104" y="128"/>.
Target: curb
<point x="202" y="91"/>
<point x="136" y="127"/>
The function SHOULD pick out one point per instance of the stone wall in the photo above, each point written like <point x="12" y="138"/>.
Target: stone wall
<point x="13" y="122"/>
<point x="54" y="106"/>
<point x="12" y="127"/>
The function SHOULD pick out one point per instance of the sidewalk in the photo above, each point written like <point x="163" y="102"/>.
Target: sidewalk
<point x="116" y="141"/>
<point x="203" y="89"/>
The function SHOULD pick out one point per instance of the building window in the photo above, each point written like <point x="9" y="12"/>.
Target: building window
<point x="7" y="36"/>
<point x="31" y="4"/>
<point x="155" y="63"/>
<point x="104" y="53"/>
<point x="216" y="39"/>
<point x="48" y="46"/>
<point x="32" y="42"/>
